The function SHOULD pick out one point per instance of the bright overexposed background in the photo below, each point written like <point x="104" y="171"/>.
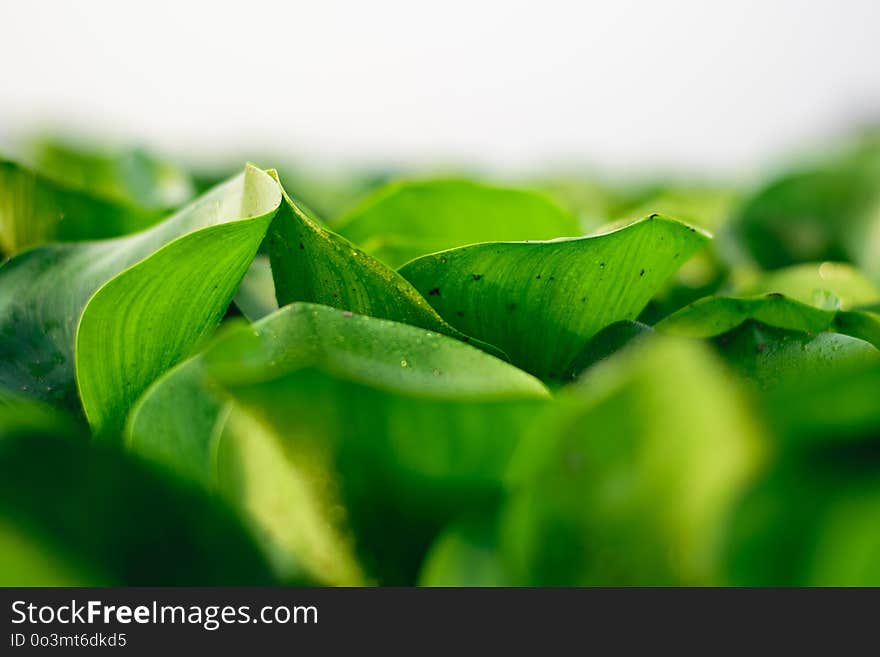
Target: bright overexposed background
<point x="688" y="85"/>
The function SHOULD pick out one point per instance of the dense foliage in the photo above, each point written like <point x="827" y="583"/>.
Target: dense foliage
<point x="441" y="382"/>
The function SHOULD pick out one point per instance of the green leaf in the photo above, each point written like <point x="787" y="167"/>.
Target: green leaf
<point x="465" y="554"/>
<point x="389" y="425"/>
<point x="817" y="284"/>
<point x="131" y="176"/>
<point x="311" y="263"/>
<point x="35" y="210"/>
<point x="772" y="357"/>
<point x="541" y="301"/>
<point x="811" y="522"/>
<point x="71" y="514"/>
<point x="131" y="307"/>
<point x="630" y="477"/>
<point x="833" y="406"/>
<point x="406" y="220"/>
<point x="255" y="297"/>
<point x="825" y="211"/>
<point x="607" y="342"/>
<point x="714" y="316"/>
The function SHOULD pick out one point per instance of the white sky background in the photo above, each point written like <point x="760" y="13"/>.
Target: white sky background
<point x="695" y="86"/>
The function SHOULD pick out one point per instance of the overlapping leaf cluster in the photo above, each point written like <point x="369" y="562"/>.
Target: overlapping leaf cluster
<point x="447" y="382"/>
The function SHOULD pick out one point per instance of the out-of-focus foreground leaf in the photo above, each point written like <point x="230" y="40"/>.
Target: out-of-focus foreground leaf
<point x="71" y="514"/>
<point x="631" y="476"/>
<point x="125" y="310"/>
<point x="403" y="221"/>
<point x="541" y="301"/>
<point x="340" y="433"/>
<point x="811" y="522"/>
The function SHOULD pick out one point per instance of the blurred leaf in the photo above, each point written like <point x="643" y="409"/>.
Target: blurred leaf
<point x="815" y="284"/>
<point x="714" y="316"/>
<point x="827" y="211"/>
<point x="391" y="426"/>
<point x="607" y="342"/>
<point x="77" y="515"/>
<point x="772" y="357"/>
<point x="829" y="407"/>
<point x="35" y="210"/>
<point x="131" y="176"/>
<point x="465" y="554"/>
<point x="406" y="220"/>
<point x="631" y="476"/>
<point x="704" y="205"/>
<point x="541" y="301"/>
<point x="255" y="296"/>
<point x="133" y="306"/>
<point x="313" y="264"/>
<point x="591" y="201"/>
<point x="812" y="522"/>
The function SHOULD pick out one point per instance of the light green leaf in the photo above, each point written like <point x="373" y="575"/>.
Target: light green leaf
<point x="35" y="210"/>
<point x="630" y="477"/>
<point x="380" y="429"/>
<point x="255" y="297"/>
<point x="817" y="284"/>
<point x="129" y="175"/>
<point x="541" y="301"/>
<point x="125" y="310"/>
<point x="465" y="554"/>
<point x="406" y="220"/>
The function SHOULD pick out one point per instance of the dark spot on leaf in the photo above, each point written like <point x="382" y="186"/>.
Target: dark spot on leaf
<point x="642" y="273"/>
<point x="760" y="347"/>
<point x="301" y="245"/>
<point x="476" y="277"/>
<point x="434" y="292"/>
<point x="460" y="313"/>
<point x="776" y="295"/>
<point x="583" y="299"/>
<point x="511" y="307"/>
<point x="654" y="215"/>
<point x="538" y="277"/>
<point x="601" y="264"/>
